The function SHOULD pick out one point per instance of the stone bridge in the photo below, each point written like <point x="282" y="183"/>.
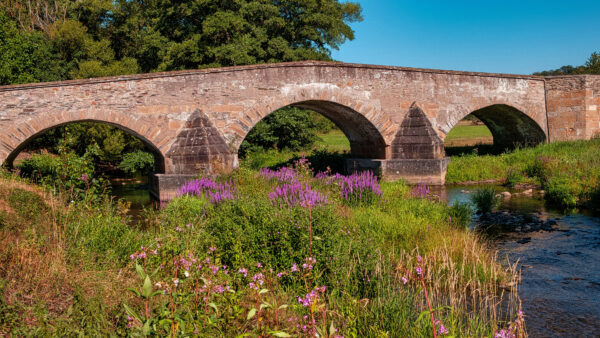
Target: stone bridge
<point x="395" y="118"/>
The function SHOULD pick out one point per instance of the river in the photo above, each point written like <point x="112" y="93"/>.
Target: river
<point x="560" y="289"/>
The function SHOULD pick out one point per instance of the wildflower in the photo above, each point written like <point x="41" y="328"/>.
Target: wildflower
<point x="188" y="225"/>
<point x="214" y="269"/>
<point x="219" y="289"/>
<point x="243" y="271"/>
<point x="176" y="281"/>
<point x="404" y="280"/>
<point x="295" y="268"/>
<point x="186" y="274"/>
<point x="279" y="274"/>
<point x="442" y="330"/>
<point x="258" y="265"/>
<point x="419" y="259"/>
<point x="419" y="271"/>
<point x="212" y="248"/>
<point x="84" y="177"/>
<point x="178" y="229"/>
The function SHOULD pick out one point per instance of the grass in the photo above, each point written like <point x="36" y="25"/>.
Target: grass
<point x="468" y="135"/>
<point x="464" y="132"/>
<point x="65" y="267"/>
<point x="568" y="171"/>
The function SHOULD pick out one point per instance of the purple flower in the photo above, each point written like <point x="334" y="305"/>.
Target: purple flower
<point x="421" y="190"/>
<point x="206" y="187"/>
<point x="294" y="194"/>
<point x="295" y="268"/>
<point x="84" y="177"/>
<point x="243" y="271"/>
<point x="419" y="271"/>
<point x="360" y="187"/>
<point x="212" y="248"/>
<point x="258" y="265"/>
<point x="283" y="174"/>
<point x="442" y="330"/>
<point x="404" y="280"/>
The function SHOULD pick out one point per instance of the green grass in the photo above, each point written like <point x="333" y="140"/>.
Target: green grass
<point x="568" y="171"/>
<point x="464" y="132"/>
<point x="335" y="140"/>
<point x="68" y="272"/>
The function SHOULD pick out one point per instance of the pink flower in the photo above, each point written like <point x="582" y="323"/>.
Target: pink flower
<point x="258" y="265"/>
<point x="419" y="271"/>
<point x="243" y="271"/>
<point x="404" y="280"/>
<point x="295" y="267"/>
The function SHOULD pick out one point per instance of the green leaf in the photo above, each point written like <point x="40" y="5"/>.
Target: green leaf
<point x="263" y="291"/>
<point x="140" y="271"/>
<point x="146" y="329"/>
<point x="280" y="334"/>
<point x="214" y="306"/>
<point x="147" y="288"/>
<point x="251" y="314"/>
<point x="264" y="305"/>
<point x="331" y="329"/>
<point x="131" y="313"/>
<point x="284" y="306"/>
<point x="423" y="313"/>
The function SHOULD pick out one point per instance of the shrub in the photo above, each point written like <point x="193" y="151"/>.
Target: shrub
<point x="485" y="199"/>
<point x="460" y="214"/>
<point x="514" y="176"/>
<point x="137" y="161"/>
<point x="287" y="128"/>
<point x="562" y="192"/>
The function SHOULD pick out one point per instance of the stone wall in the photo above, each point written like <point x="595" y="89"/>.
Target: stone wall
<point x="573" y="104"/>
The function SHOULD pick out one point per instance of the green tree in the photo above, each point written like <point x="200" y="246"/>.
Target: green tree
<point x="25" y="56"/>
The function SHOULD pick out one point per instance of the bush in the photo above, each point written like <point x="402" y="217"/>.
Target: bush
<point x="563" y="192"/>
<point x="137" y="161"/>
<point x="485" y="199"/>
<point x="287" y="128"/>
<point x="66" y="172"/>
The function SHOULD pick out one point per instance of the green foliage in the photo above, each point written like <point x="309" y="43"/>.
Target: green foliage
<point x="287" y="128"/>
<point x="571" y="170"/>
<point x="26" y="56"/>
<point x="591" y="66"/>
<point x="485" y="199"/>
<point x="460" y="214"/>
<point x="66" y="172"/>
<point x="137" y="161"/>
<point x="66" y="39"/>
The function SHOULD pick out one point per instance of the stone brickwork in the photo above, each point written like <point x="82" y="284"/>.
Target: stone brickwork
<point x="195" y="120"/>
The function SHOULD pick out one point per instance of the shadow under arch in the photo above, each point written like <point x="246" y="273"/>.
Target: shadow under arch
<point x="159" y="160"/>
<point x="510" y="127"/>
<point x="365" y="139"/>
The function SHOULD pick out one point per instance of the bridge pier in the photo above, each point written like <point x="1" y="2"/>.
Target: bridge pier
<point x="413" y="171"/>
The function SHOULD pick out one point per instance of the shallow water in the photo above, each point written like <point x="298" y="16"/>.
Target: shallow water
<point x="560" y="288"/>
<point x="136" y="193"/>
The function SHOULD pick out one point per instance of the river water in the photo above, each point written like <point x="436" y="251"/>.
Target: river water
<point x="560" y="288"/>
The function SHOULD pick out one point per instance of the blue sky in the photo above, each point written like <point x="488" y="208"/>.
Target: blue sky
<point x="518" y="37"/>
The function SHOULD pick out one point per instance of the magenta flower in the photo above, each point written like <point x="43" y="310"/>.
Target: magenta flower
<point x="206" y="187"/>
<point x="294" y="194"/>
<point x="404" y="280"/>
<point x="360" y="187"/>
<point x="295" y="268"/>
<point x="243" y="271"/>
<point x="419" y="271"/>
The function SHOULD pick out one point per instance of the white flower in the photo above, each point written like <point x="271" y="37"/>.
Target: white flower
<point x="187" y="274"/>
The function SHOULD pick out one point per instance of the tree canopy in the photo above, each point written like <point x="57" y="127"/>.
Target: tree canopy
<point x="42" y="40"/>
<point x="591" y="66"/>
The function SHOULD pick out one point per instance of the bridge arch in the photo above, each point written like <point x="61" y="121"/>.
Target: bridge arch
<point x="369" y="130"/>
<point x="509" y="124"/>
<point x="21" y="135"/>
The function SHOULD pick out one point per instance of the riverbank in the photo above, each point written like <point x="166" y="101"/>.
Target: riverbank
<point x="247" y="259"/>
<point x="568" y="172"/>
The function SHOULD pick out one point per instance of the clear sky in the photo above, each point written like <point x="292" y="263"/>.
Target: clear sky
<point x="518" y="37"/>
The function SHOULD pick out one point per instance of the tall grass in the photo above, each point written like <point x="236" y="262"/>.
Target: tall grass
<point x="297" y="269"/>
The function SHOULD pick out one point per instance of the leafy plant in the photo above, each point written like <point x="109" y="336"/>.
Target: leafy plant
<point x="485" y="199"/>
<point x="137" y="161"/>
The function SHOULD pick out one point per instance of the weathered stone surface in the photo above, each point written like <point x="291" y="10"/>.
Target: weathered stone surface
<point x="195" y="120"/>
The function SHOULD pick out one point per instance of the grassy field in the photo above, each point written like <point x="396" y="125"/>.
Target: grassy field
<point x="568" y="171"/>
<point x="241" y="257"/>
<point x="468" y="135"/>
